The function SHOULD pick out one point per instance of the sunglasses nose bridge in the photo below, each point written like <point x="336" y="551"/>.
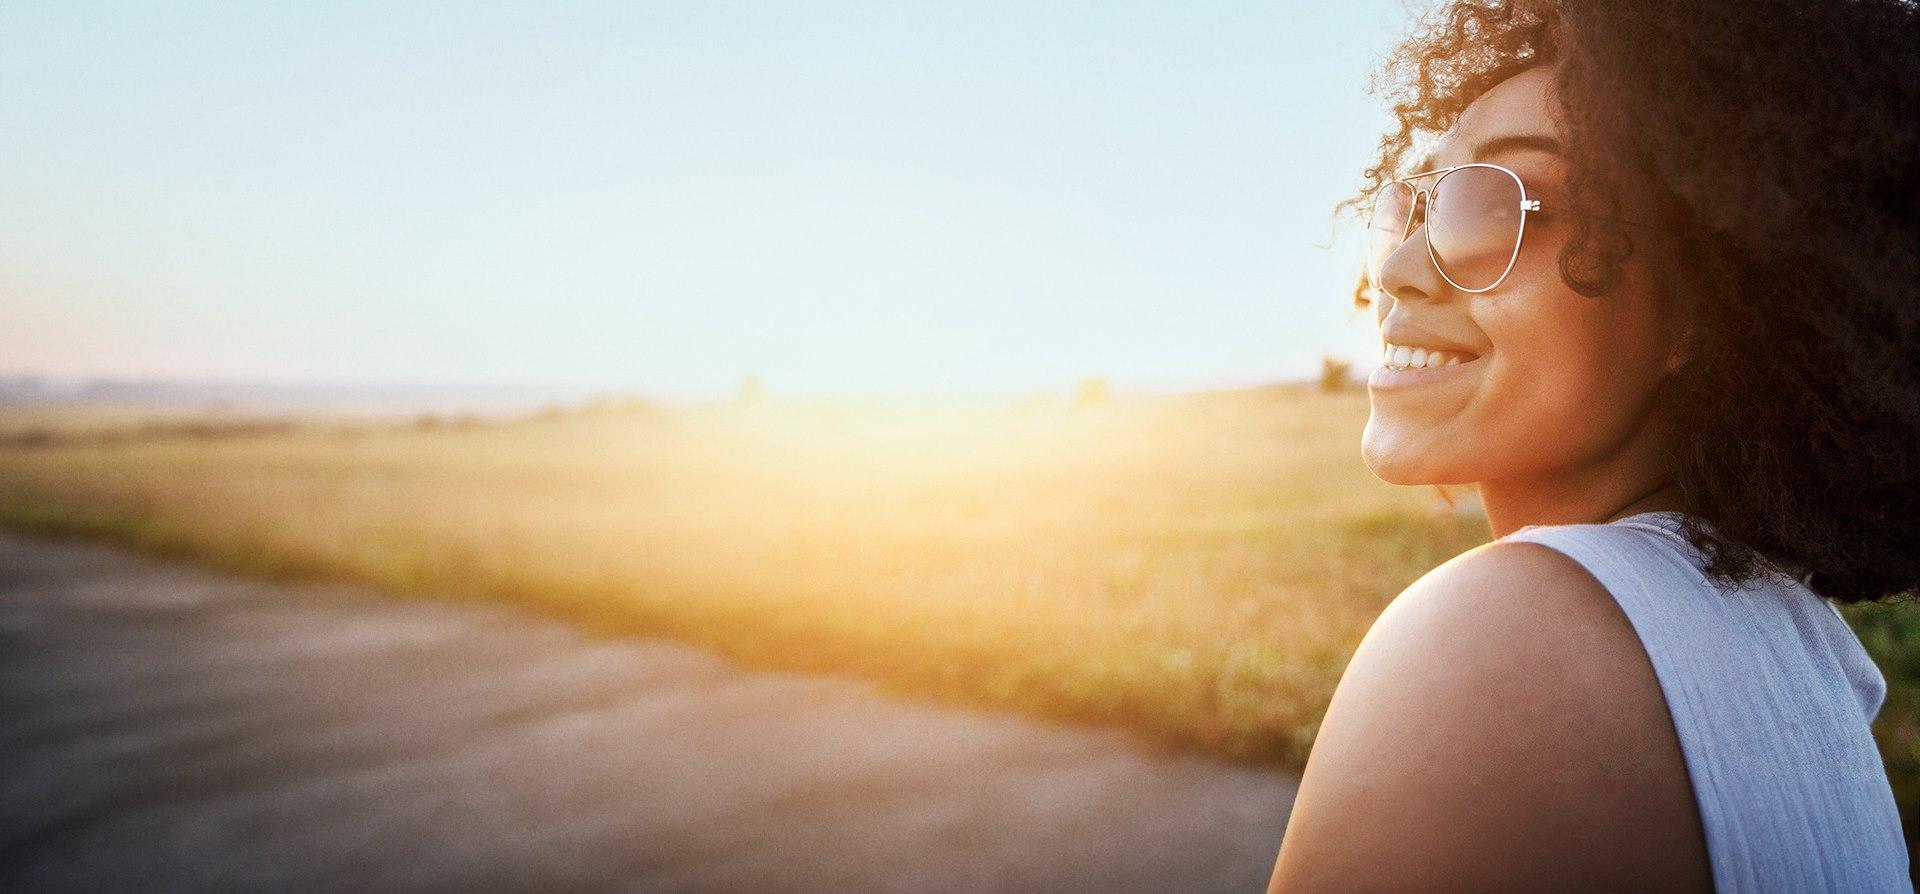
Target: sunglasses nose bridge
<point x="1417" y="209"/>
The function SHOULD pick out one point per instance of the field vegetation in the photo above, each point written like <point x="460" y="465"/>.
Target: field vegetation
<point x="1196" y="568"/>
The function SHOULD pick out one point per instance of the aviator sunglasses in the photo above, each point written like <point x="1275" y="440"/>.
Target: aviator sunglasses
<point x="1476" y="216"/>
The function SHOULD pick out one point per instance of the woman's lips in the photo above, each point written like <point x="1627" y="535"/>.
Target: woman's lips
<point x="1386" y="378"/>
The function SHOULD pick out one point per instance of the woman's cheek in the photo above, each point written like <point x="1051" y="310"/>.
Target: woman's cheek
<point x="1551" y="410"/>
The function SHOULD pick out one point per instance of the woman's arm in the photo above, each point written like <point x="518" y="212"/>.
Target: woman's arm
<point x="1499" y="728"/>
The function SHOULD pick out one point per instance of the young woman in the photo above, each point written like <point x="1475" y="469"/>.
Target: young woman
<point x="1653" y="286"/>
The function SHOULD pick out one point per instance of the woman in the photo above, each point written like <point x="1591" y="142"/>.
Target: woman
<point x="1654" y="288"/>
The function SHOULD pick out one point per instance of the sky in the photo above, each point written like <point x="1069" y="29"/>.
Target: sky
<point x="836" y="197"/>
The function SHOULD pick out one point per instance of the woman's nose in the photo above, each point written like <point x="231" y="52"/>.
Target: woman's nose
<point x="1408" y="273"/>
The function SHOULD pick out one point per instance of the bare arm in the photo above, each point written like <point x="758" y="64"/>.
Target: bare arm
<point x="1500" y="728"/>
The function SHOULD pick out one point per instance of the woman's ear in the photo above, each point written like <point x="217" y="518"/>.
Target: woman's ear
<point x="1681" y="348"/>
<point x="1678" y="357"/>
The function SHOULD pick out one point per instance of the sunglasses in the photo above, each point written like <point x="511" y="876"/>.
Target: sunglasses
<point x="1475" y="214"/>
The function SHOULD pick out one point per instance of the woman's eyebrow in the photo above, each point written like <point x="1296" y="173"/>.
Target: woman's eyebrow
<point x="1514" y="143"/>
<point x="1494" y="146"/>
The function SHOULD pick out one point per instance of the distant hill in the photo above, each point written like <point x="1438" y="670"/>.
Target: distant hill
<point x="257" y="398"/>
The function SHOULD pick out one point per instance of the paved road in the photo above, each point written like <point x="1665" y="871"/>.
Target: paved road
<point x="168" y="728"/>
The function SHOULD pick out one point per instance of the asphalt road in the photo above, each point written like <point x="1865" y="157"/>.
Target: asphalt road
<point x="167" y="728"/>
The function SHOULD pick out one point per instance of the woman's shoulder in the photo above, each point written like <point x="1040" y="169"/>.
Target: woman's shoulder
<point x="1529" y="625"/>
<point x="1516" y="578"/>
<point x="1511" y="605"/>
<point x="1499" y="726"/>
<point x="1502" y="608"/>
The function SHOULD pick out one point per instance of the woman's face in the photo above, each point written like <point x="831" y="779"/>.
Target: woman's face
<point x="1561" y="380"/>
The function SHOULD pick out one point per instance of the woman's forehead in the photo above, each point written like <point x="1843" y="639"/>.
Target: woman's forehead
<point x="1521" y="105"/>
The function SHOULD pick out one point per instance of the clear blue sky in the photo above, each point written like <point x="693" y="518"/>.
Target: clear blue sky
<point x="840" y="197"/>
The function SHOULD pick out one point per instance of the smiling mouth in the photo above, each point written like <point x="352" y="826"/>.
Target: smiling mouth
<point x="1388" y="377"/>
<point x="1405" y="357"/>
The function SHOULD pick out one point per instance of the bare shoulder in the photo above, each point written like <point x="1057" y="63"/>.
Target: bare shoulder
<point x="1500" y="727"/>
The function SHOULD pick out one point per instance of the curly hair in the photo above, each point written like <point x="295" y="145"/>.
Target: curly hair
<point x="1775" y="145"/>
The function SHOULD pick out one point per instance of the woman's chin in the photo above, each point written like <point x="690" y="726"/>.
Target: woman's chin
<point x="1398" y="461"/>
<point x="1396" y="473"/>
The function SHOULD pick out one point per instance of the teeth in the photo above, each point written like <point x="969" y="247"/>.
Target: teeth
<point x="1405" y="357"/>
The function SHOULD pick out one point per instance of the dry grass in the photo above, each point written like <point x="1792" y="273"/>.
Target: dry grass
<point x="1197" y="568"/>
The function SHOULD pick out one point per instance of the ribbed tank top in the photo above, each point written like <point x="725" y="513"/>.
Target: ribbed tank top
<point x="1771" y="696"/>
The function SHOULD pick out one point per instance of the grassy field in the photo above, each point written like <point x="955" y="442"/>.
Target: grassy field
<point x="1197" y="568"/>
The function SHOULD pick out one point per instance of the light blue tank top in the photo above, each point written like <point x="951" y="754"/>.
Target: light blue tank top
<point x="1771" y="694"/>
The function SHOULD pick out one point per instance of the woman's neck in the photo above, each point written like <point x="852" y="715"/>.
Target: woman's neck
<point x="1510" y="509"/>
<point x="1633" y="480"/>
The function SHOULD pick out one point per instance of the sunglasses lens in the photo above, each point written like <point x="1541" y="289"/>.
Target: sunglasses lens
<point x="1387" y="226"/>
<point x="1473" y="225"/>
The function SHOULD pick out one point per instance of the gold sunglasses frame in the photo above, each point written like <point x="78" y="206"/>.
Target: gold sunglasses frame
<point x="1423" y="200"/>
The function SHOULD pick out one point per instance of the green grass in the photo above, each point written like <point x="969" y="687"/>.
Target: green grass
<point x="1891" y="633"/>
